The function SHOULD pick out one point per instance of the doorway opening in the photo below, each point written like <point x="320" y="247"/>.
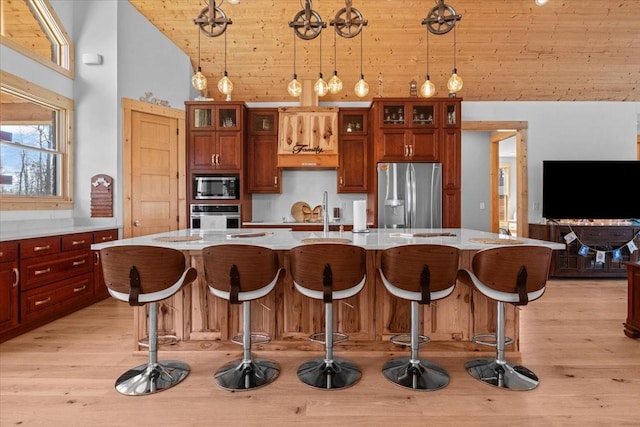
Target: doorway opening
<point x="509" y="201"/>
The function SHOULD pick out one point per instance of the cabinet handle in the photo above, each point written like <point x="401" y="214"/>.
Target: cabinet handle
<point x="43" y="301"/>
<point x="411" y="151"/>
<point x="97" y="261"/>
<point x="275" y="181"/>
<point x="106" y="238"/>
<point x="341" y="182"/>
<point x="1" y="254"/>
<point x="213" y="159"/>
<point x="77" y="263"/>
<point x="16" y="272"/>
<point x="217" y="159"/>
<point x="406" y="150"/>
<point x="80" y="289"/>
<point x="39" y="272"/>
<point x="41" y="248"/>
<point x="78" y="242"/>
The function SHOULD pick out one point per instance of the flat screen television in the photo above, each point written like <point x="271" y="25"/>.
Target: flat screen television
<point x="590" y="189"/>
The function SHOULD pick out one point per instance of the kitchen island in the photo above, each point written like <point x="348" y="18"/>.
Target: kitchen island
<point x="202" y="321"/>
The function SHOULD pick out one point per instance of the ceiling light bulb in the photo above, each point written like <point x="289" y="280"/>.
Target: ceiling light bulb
<point x="321" y="87"/>
<point x="234" y="1"/>
<point x="455" y="82"/>
<point x="225" y="85"/>
<point x="428" y="89"/>
<point x="294" y="88"/>
<point x="362" y="88"/>
<point x="335" y="84"/>
<point x="199" y="81"/>
<point x="541" y="2"/>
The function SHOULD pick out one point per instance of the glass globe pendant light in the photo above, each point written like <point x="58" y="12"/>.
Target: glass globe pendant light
<point x="321" y="87"/>
<point x="335" y="84"/>
<point x="362" y="87"/>
<point x="428" y="89"/>
<point x="455" y="81"/>
<point x="199" y="81"/>
<point x="225" y="85"/>
<point x="294" y="87"/>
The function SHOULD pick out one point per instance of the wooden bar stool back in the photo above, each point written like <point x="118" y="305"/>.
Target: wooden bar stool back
<point x="420" y="274"/>
<point x="508" y="275"/>
<point x="240" y="274"/>
<point x="328" y="272"/>
<point x="144" y="275"/>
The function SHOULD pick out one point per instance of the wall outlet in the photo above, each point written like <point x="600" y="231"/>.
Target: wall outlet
<point x="481" y="205"/>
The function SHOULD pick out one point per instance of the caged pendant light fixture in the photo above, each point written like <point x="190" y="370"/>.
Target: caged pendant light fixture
<point x="212" y="21"/>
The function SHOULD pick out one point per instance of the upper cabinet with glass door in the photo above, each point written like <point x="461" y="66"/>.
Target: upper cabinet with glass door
<point x="403" y="113"/>
<point x="215" y="116"/>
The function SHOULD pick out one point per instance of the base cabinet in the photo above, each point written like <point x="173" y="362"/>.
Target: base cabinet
<point x="582" y="256"/>
<point x="632" y="325"/>
<point x="45" y="278"/>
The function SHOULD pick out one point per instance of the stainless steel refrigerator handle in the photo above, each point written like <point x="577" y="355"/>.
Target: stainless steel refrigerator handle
<point x="414" y="196"/>
<point x="410" y="196"/>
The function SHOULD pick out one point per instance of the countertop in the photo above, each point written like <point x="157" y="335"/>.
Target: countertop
<point x="285" y="239"/>
<point x="8" y="232"/>
<point x="285" y="224"/>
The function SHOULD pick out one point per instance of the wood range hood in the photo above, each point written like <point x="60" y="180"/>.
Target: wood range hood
<point x="308" y="134"/>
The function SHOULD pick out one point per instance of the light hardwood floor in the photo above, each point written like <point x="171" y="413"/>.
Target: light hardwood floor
<point x="63" y="375"/>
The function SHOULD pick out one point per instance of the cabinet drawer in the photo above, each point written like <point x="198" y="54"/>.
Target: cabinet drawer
<point x="30" y="248"/>
<point x="8" y="251"/>
<point x="73" y="242"/>
<point x="39" y="271"/>
<point x="50" y="299"/>
<point x="105" y="236"/>
<point x="595" y="236"/>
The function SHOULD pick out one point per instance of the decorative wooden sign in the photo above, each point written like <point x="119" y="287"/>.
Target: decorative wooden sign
<point x="308" y="137"/>
<point x="101" y="196"/>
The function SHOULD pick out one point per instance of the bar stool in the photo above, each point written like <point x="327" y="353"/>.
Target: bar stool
<point x="242" y="273"/>
<point x="507" y="274"/>
<point x="144" y="275"/>
<point x="420" y="274"/>
<point x="328" y="272"/>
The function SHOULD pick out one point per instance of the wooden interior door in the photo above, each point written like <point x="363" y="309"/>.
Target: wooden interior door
<point x="154" y="174"/>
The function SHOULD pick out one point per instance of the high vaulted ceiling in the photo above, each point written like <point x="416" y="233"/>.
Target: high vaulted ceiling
<point x="566" y="50"/>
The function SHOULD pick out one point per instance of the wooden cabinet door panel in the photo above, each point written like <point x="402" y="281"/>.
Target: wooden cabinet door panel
<point x="38" y="271"/>
<point x="352" y="172"/>
<point x="73" y="242"/>
<point x="229" y="151"/>
<point x="39" y="246"/>
<point x="424" y="145"/>
<point x="202" y="147"/>
<point x="47" y="300"/>
<point x="393" y="145"/>
<point x="264" y="175"/>
<point x="8" y="295"/>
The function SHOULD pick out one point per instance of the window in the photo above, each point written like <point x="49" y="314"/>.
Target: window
<point x="35" y="146"/>
<point x="32" y="28"/>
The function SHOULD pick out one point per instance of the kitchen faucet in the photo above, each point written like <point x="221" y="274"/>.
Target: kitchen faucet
<point x="325" y="212"/>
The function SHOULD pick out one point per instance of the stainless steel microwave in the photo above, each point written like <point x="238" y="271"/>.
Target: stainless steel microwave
<point x="216" y="187"/>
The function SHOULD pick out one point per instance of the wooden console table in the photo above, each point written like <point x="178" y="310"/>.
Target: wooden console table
<point x="632" y="325"/>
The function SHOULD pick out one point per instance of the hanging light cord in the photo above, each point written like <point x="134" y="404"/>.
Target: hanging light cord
<point x="454" y="48"/>
<point x="321" y="54"/>
<point x="225" y="53"/>
<point x="294" y="53"/>
<point x="428" y="52"/>
<point x="198" y="48"/>
<point x="361" y="75"/>
<point x="335" y="55"/>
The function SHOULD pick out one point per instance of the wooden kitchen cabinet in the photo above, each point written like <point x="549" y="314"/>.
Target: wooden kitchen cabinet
<point x="354" y="159"/>
<point x="9" y="291"/>
<point x="99" y="288"/>
<point x="263" y="174"/>
<point x="215" y="135"/>
<point x="632" y="325"/>
<point x="420" y="130"/>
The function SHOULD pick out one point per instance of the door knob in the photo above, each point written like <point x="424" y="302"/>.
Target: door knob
<point x="136" y="223"/>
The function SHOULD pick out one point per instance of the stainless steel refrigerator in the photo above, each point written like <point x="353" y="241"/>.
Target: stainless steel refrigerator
<point x="409" y="195"/>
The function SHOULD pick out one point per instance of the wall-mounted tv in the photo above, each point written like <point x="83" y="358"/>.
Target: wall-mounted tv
<point x="590" y="189"/>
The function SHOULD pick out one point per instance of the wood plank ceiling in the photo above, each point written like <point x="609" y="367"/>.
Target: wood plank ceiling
<point x="567" y="50"/>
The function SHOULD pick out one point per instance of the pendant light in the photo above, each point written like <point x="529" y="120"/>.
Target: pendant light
<point x="294" y="88"/>
<point x="335" y="84"/>
<point x="321" y="87"/>
<point x="455" y="81"/>
<point x="199" y="81"/>
<point x="428" y="89"/>
<point x="225" y="85"/>
<point x="362" y="87"/>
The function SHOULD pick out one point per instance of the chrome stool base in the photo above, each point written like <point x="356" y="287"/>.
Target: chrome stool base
<point x="422" y="375"/>
<point x="329" y="375"/>
<point x="502" y="375"/>
<point x="241" y="375"/>
<point x="152" y="377"/>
